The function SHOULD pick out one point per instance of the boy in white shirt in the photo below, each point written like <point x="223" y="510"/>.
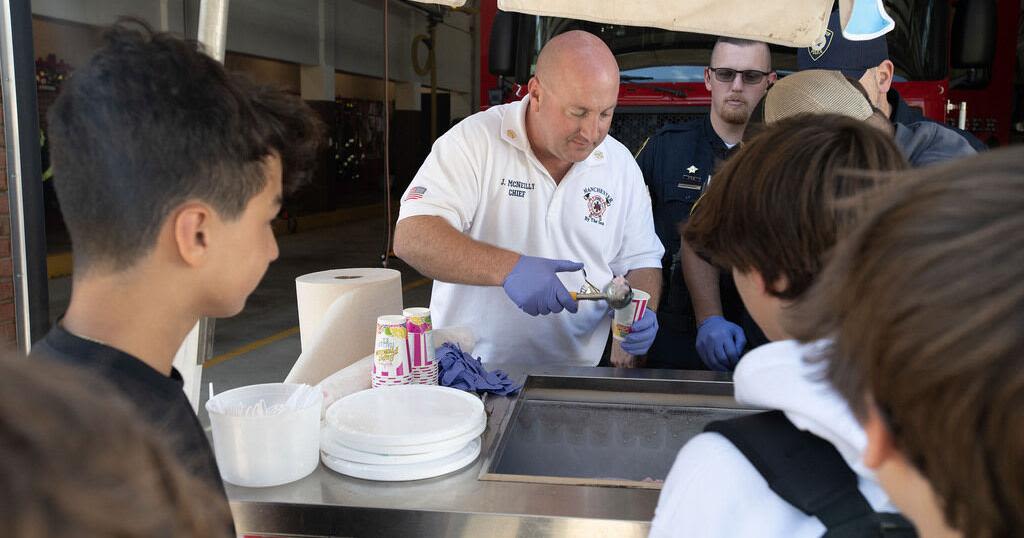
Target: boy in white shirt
<point x="769" y="217"/>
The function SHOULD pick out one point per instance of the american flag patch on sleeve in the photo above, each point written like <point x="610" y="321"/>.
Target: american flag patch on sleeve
<point x="414" y="193"/>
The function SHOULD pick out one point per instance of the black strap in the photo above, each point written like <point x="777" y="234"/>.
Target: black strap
<point x="809" y="473"/>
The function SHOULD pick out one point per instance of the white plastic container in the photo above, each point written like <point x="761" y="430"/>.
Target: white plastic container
<point x="260" y="451"/>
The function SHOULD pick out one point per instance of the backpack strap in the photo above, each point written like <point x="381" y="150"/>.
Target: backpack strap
<point x="809" y="473"/>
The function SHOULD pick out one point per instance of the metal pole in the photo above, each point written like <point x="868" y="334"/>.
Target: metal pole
<point x="433" y="80"/>
<point x="212" y="34"/>
<point x="24" y="174"/>
<point x="213" y="27"/>
<point x="387" y="140"/>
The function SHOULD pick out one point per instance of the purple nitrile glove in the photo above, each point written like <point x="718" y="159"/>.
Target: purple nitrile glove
<point x="460" y="370"/>
<point x="720" y="343"/>
<point x="641" y="334"/>
<point x="534" y="287"/>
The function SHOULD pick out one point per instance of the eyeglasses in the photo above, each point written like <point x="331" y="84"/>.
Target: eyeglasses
<point x="750" y="76"/>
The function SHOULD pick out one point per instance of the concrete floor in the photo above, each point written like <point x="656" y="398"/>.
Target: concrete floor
<point x="260" y="344"/>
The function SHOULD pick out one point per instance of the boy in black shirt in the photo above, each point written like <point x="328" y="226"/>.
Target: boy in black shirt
<point x="169" y="172"/>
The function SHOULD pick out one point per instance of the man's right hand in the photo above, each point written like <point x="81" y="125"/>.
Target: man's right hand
<point x="720" y="343"/>
<point x="534" y="286"/>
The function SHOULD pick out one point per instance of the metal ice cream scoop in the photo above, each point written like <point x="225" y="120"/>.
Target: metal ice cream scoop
<point x="617" y="294"/>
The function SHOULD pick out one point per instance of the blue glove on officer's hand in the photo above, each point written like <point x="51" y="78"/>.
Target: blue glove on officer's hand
<point x="719" y="343"/>
<point x="641" y="335"/>
<point x="534" y="286"/>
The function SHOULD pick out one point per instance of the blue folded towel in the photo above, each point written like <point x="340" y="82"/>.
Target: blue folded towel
<point x="459" y="370"/>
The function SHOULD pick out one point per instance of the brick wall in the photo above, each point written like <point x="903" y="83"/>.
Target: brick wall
<point x="8" y="331"/>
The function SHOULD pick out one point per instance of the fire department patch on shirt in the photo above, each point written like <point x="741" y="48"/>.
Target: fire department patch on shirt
<point x="598" y="201"/>
<point x="414" y="193"/>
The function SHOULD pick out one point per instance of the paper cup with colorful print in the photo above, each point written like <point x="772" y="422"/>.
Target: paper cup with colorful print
<point x="421" y="346"/>
<point x="417" y="321"/>
<point x="627" y="316"/>
<point x="391" y="353"/>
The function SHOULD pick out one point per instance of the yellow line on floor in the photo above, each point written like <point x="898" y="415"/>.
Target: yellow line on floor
<point x="58" y="265"/>
<point x="253" y="346"/>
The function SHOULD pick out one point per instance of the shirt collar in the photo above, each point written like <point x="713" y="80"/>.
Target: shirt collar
<point x="718" y="147"/>
<point x="108" y="360"/>
<point x="513" y="131"/>
<point x="513" y="124"/>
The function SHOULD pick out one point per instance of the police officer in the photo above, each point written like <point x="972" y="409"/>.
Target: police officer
<point x="677" y="164"/>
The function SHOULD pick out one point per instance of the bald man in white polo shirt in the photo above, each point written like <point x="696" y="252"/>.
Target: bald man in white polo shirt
<point x="512" y="202"/>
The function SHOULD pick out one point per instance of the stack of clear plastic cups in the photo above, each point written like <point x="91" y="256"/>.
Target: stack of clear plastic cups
<point x="391" y="364"/>
<point x="421" y="346"/>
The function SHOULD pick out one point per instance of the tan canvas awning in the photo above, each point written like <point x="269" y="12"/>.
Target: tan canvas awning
<point x="795" y="23"/>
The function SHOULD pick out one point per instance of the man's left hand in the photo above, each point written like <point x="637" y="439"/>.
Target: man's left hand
<point x="641" y="335"/>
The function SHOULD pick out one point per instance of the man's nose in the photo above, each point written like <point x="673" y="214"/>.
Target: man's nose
<point x="591" y="128"/>
<point x="737" y="83"/>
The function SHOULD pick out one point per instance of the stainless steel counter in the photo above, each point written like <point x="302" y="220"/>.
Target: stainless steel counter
<point x="470" y="502"/>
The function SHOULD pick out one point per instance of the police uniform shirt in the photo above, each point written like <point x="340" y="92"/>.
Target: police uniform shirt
<point x="677" y="164"/>
<point x="158" y="398"/>
<point x="484" y="180"/>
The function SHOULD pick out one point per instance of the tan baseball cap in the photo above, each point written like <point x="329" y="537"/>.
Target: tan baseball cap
<point x="815" y="91"/>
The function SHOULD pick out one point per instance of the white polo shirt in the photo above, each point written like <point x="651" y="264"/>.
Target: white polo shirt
<point x="483" y="178"/>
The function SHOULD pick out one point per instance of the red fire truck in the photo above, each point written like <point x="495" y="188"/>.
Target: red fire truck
<point x="957" y="60"/>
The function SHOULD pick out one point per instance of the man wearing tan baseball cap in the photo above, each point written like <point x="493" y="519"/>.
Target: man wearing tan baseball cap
<point x="819" y="91"/>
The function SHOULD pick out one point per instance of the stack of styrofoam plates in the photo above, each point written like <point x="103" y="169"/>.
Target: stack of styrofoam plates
<point x="406" y="432"/>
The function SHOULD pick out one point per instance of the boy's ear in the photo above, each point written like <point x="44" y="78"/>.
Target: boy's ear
<point x="191" y="229"/>
<point x="880" y="447"/>
<point x="780" y="283"/>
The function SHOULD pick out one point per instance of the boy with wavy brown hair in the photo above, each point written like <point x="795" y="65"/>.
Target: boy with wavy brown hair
<point x="76" y="459"/>
<point x="925" y="306"/>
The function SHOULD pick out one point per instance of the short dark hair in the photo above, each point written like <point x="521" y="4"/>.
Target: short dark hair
<point x="770" y="208"/>
<point x="743" y="43"/>
<point x="76" y="459"/>
<point x="924" y="304"/>
<point x="152" y="121"/>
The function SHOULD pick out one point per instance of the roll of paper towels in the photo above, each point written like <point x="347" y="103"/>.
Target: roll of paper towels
<point x="338" y="312"/>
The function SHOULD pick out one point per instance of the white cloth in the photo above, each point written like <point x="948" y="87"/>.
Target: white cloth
<point x="483" y="178"/>
<point x="712" y="490"/>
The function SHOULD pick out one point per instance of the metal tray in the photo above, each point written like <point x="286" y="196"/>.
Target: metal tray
<point x="617" y="432"/>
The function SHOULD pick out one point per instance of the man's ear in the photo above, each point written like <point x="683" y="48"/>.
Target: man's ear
<point x="880" y="447"/>
<point x="191" y="228"/>
<point x="772" y="77"/>
<point x="707" y="78"/>
<point x="533" y="88"/>
<point x="884" y="74"/>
